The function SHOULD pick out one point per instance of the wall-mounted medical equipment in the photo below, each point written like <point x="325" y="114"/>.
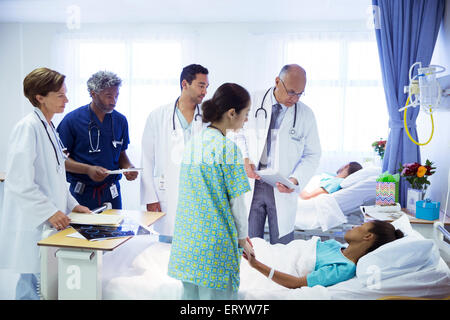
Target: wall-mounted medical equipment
<point x="427" y="92"/>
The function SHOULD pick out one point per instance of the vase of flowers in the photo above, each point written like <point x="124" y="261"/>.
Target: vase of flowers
<point x="379" y="146"/>
<point x="417" y="176"/>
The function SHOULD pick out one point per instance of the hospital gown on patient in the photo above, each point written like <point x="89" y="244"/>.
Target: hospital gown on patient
<point x="331" y="265"/>
<point x="330" y="183"/>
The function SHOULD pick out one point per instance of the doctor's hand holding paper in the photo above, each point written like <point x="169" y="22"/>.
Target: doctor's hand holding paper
<point x="36" y="197"/>
<point x="96" y="137"/>
<point x="281" y="135"/>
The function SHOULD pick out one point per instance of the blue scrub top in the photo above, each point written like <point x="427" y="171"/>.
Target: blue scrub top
<point x="73" y="131"/>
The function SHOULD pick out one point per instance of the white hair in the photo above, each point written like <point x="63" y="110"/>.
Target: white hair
<point x="102" y="80"/>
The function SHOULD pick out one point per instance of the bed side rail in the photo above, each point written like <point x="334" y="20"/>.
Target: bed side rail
<point x="441" y="236"/>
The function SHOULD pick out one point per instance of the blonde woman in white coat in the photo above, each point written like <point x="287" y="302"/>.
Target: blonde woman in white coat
<point x="36" y="195"/>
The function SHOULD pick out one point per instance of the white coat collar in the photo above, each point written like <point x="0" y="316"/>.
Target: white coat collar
<point x="40" y="114"/>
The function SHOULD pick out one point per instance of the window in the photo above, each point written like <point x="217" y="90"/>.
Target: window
<point x="344" y="89"/>
<point x="149" y="70"/>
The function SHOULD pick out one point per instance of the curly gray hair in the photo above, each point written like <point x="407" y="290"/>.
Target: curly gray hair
<point x="102" y="80"/>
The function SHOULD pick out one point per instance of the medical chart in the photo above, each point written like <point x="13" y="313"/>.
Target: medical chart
<point x="119" y="171"/>
<point x="272" y="177"/>
<point x="95" y="219"/>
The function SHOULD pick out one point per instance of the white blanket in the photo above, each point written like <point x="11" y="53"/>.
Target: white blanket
<point x="147" y="277"/>
<point x="320" y="212"/>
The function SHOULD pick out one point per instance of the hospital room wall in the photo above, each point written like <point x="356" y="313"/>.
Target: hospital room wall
<point x="224" y="48"/>
<point x="438" y="150"/>
<point x="232" y="52"/>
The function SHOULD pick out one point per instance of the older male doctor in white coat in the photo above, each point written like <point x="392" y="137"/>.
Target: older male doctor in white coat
<point x="36" y="194"/>
<point x="281" y="134"/>
<point x="166" y="132"/>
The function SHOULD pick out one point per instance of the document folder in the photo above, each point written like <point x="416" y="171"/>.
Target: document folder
<point x="271" y="177"/>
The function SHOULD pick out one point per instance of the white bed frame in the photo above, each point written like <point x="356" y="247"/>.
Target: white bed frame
<point x="442" y="239"/>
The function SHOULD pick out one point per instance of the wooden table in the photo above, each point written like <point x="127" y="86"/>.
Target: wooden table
<point x="71" y="267"/>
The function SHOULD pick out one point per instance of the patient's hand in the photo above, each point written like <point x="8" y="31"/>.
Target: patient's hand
<point x="248" y="248"/>
<point x="251" y="259"/>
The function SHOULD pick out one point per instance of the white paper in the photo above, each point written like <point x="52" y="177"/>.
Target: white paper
<point x="119" y="171"/>
<point x="272" y="177"/>
<point x="76" y="235"/>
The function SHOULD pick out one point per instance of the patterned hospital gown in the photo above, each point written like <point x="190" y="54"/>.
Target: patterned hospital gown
<point x="205" y="246"/>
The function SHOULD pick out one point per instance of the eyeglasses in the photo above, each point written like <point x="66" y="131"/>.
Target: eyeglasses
<point x="292" y="93"/>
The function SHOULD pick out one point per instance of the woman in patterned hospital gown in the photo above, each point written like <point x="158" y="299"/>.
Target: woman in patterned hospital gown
<point x="211" y="221"/>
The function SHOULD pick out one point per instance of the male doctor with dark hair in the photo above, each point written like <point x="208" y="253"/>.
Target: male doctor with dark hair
<point x="167" y="130"/>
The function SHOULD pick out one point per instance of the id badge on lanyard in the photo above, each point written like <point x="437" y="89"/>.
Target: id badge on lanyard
<point x="114" y="192"/>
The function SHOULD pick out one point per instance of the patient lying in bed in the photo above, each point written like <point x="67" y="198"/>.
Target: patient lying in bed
<point x="333" y="262"/>
<point x="329" y="183"/>
<point x="138" y="270"/>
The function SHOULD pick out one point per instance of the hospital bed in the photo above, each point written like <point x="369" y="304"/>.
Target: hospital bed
<point x="329" y="216"/>
<point x="407" y="267"/>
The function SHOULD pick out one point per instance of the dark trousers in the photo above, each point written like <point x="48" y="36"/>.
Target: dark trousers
<point x="94" y="197"/>
<point x="263" y="205"/>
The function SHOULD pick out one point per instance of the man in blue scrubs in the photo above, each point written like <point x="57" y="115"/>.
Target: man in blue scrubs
<point x="96" y="138"/>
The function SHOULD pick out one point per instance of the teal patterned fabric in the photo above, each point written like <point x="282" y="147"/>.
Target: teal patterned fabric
<point x="205" y="245"/>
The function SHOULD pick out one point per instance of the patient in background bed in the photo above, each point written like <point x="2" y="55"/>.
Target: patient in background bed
<point x="334" y="262"/>
<point x="330" y="184"/>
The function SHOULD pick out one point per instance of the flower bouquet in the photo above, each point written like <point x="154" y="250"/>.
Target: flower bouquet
<point x="379" y="147"/>
<point x="417" y="176"/>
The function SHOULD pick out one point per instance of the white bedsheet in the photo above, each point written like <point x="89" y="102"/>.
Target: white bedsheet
<point x="138" y="270"/>
<point x="147" y="277"/>
<point x="327" y="211"/>
<point x="319" y="212"/>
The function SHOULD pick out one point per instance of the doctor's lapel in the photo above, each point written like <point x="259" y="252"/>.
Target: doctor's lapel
<point x="283" y="133"/>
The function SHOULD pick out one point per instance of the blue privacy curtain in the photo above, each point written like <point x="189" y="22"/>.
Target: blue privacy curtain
<point x="406" y="32"/>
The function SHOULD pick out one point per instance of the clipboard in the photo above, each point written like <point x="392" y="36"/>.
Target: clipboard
<point x="271" y="177"/>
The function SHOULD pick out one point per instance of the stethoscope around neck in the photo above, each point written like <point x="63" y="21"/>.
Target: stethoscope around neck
<point x="175" y="110"/>
<point x="93" y="125"/>
<point x="60" y="144"/>
<point x="261" y="108"/>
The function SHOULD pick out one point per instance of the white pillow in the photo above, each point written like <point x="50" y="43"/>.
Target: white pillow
<point x="359" y="194"/>
<point x="360" y="175"/>
<point x="408" y="254"/>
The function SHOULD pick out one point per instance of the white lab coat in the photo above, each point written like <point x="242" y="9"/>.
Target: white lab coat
<point x="162" y="153"/>
<point x="34" y="191"/>
<point x="295" y="156"/>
